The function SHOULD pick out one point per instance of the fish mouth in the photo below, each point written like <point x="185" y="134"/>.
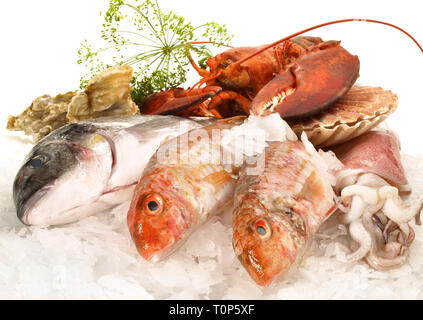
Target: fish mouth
<point x="25" y="211"/>
<point x="159" y="253"/>
<point x="155" y="245"/>
<point x="254" y="267"/>
<point x="261" y="271"/>
<point x="277" y="100"/>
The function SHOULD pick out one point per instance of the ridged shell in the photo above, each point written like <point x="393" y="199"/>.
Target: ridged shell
<point x="360" y="110"/>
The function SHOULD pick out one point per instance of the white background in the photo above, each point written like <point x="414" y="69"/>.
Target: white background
<point x="40" y="39"/>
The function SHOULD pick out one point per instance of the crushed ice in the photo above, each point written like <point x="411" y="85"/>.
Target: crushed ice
<point x="95" y="258"/>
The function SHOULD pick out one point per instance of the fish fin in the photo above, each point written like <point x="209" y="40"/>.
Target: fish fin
<point x="332" y="210"/>
<point x="312" y="186"/>
<point x="218" y="179"/>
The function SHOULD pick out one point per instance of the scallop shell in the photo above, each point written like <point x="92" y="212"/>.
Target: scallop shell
<point x="359" y="110"/>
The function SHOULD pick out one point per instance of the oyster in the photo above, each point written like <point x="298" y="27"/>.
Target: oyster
<point x="44" y="115"/>
<point x="107" y="94"/>
<point x="359" y="110"/>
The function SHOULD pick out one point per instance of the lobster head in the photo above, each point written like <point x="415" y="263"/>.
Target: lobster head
<point x="249" y="76"/>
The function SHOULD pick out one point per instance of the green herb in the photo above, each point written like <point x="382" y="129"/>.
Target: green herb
<point x="154" y="43"/>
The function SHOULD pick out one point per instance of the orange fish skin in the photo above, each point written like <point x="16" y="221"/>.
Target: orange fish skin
<point x="172" y="199"/>
<point x="278" y="211"/>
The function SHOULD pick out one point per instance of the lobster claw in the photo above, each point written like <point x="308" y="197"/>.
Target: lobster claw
<point x="177" y="99"/>
<point x="311" y="84"/>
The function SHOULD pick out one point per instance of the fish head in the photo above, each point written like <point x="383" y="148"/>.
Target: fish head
<point x="59" y="175"/>
<point x="263" y="243"/>
<point x="159" y="217"/>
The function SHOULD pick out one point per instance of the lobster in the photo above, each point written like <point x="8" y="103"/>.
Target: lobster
<point x="301" y="76"/>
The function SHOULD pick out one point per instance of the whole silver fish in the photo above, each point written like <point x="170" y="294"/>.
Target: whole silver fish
<point x="83" y="168"/>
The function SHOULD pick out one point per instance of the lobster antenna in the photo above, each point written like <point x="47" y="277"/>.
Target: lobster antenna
<point x="209" y="42"/>
<point x="323" y="25"/>
<point x="204" y="80"/>
<point x="202" y="72"/>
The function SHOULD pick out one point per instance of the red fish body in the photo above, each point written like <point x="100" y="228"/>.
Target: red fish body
<point x="174" y="197"/>
<point x="278" y="211"/>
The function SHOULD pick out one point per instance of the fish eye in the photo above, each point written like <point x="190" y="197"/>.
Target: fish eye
<point x="262" y="229"/>
<point x="36" y="162"/>
<point x="153" y="203"/>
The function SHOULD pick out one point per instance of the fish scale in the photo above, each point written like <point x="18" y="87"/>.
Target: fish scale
<point x="277" y="212"/>
<point x="183" y="194"/>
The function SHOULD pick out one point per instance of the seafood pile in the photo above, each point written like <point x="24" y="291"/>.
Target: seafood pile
<point x="188" y="164"/>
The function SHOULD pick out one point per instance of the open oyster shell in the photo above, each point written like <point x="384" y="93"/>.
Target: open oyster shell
<point x="359" y="110"/>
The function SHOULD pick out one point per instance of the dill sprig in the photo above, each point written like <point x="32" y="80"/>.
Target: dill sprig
<point x="154" y="43"/>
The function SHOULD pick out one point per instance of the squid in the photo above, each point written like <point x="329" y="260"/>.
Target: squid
<point x="370" y="185"/>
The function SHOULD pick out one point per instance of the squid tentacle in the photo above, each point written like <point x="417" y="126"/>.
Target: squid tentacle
<point x="362" y="236"/>
<point x="394" y="208"/>
<point x="383" y="243"/>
